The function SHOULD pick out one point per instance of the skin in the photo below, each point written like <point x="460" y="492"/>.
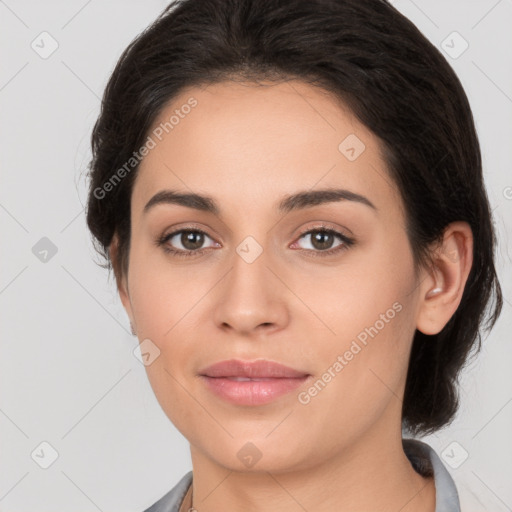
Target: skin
<point x="247" y="146"/>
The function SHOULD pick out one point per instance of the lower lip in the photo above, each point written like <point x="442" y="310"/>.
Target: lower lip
<point x="252" y="392"/>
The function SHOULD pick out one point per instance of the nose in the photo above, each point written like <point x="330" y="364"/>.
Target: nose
<point x="251" y="298"/>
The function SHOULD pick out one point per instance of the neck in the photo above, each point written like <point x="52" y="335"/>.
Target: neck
<point x="372" y="474"/>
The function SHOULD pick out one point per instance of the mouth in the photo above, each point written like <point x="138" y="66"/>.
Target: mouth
<point x="251" y="382"/>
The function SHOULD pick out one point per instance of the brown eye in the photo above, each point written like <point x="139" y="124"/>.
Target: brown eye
<point x="190" y="240"/>
<point x="323" y="239"/>
<point x="323" y="242"/>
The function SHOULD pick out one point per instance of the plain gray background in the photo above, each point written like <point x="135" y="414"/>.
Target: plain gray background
<point x="68" y="373"/>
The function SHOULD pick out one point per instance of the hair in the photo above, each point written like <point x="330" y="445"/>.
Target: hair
<point x="375" y="61"/>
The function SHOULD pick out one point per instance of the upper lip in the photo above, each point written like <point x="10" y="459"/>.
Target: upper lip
<point x="256" y="369"/>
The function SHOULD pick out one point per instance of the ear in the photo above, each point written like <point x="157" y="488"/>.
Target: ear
<point x="442" y="288"/>
<point x="121" y="279"/>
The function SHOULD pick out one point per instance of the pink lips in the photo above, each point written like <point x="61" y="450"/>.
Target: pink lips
<point x="251" y="383"/>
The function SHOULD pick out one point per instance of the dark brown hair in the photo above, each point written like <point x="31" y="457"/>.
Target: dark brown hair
<point x="392" y="78"/>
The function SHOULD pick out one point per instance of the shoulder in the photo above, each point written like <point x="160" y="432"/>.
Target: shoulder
<point x="426" y="462"/>
<point x="171" y="501"/>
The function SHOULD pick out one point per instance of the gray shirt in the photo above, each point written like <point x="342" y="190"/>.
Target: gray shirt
<point x="422" y="456"/>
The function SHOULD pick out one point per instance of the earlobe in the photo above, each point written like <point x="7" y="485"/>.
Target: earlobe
<point x="442" y="289"/>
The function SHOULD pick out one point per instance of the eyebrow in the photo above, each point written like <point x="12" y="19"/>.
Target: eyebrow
<point x="297" y="201"/>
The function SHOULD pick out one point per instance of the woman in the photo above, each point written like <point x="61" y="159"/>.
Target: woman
<point x="290" y="195"/>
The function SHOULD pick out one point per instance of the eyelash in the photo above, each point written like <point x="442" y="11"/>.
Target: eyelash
<point x="347" y="242"/>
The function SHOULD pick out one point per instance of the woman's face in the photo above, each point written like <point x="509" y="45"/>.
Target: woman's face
<point x="341" y="310"/>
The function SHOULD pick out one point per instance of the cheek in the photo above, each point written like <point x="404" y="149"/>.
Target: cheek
<point x="175" y="394"/>
<point x="364" y="332"/>
<point x="166" y="299"/>
<point x="361" y="375"/>
<point x="354" y="301"/>
<point x="164" y="294"/>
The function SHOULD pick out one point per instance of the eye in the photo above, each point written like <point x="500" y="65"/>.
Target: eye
<point x="322" y="239"/>
<point x="191" y="241"/>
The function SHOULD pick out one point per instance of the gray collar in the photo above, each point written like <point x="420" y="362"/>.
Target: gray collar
<point x="171" y="502"/>
<point x="426" y="461"/>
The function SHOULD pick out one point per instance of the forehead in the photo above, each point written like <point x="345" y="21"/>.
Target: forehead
<point x="242" y="142"/>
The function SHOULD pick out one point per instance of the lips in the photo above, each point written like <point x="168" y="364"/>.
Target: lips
<point x="261" y="369"/>
<point x="251" y="382"/>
